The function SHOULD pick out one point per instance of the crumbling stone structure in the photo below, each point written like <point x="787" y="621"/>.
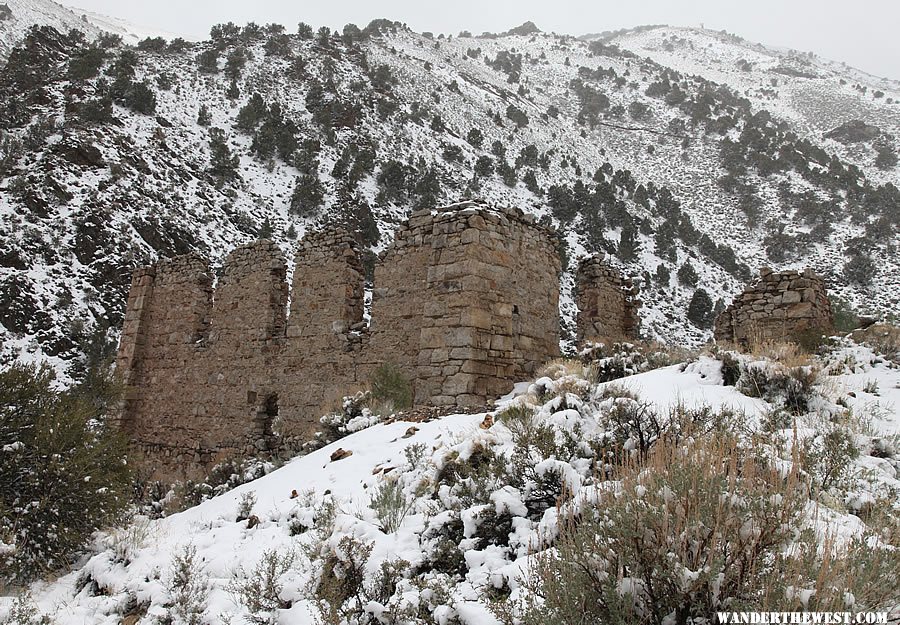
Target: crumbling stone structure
<point x="465" y="302"/>
<point x="780" y="306"/>
<point x="607" y="302"/>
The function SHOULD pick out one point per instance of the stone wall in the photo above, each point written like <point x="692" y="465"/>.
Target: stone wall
<point x="465" y="302"/>
<point x="607" y="302"/>
<point x="780" y="306"/>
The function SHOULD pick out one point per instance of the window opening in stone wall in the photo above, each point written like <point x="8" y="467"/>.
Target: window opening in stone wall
<point x="269" y="413"/>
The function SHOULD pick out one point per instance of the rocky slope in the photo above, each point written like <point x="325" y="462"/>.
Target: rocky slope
<point x="690" y="157"/>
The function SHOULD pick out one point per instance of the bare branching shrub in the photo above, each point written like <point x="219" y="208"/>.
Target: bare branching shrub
<point x="260" y="589"/>
<point x="23" y="611"/>
<point x="188" y="589"/>
<point x="828" y="457"/>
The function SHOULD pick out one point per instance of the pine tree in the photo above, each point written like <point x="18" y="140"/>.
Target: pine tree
<point x="223" y="165"/>
<point x="308" y="195"/>
<point x="700" y="309"/>
<point x="235" y="62"/>
<point x="265" y="230"/>
<point x="208" y="61"/>
<point x="251" y="114"/>
<point x="140" y="98"/>
<point x="507" y="173"/>
<point x="628" y="245"/>
<point x="63" y="469"/>
<point x="233" y="92"/>
<point x="204" y="117"/>
<point x="518" y="116"/>
<point x="427" y="190"/>
<point x="484" y="166"/>
<point x="687" y="276"/>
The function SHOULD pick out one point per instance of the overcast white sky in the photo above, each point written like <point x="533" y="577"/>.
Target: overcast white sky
<point x="863" y="33"/>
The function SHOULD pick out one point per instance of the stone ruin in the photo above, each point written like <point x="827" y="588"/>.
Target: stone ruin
<point x="781" y="306"/>
<point x="465" y="302"/>
<point x="607" y="302"/>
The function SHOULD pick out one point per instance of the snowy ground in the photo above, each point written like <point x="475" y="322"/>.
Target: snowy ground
<point x="134" y="566"/>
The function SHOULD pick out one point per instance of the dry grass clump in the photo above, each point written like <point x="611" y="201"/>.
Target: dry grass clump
<point x="884" y="338"/>
<point x="786" y="353"/>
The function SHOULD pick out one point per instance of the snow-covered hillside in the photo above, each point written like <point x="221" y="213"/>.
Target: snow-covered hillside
<point x="410" y="522"/>
<point x="130" y="33"/>
<point x="814" y="95"/>
<point x="20" y="15"/>
<point x="112" y="158"/>
<point x="23" y="14"/>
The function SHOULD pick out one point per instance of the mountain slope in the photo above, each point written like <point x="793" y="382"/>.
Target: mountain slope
<point x="457" y="545"/>
<point x="122" y="155"/>
<point x="21" y="15"/>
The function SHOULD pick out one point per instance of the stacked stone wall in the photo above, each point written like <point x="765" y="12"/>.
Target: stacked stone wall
<point x="465" y="302"/>
<point x="493" y="304"/>
<point x="170" y="304"/>
<point x="608" y="303"/>
<point x="781" y="306"/>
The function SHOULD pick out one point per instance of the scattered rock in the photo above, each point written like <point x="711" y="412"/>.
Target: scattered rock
<point x="340" y="454"/>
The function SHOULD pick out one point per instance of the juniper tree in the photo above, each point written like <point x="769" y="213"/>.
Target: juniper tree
<point x="700" y="309"/>
<point x="687" y="276"/>
<point x="63" y="471"/>
<point x="208" y="61"/>
<point x="484" y="166"/>
<point x="517" y="116"/>
<point x="204" y="117"/>
<point x="223" y="165"/>
<point x="308" y="195"/>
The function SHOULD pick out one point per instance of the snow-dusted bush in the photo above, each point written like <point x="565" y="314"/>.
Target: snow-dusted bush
<point x="618" y="360"/>
<point x="790" y="388"/>
<point x="188" y="587"/>
<point x="245" y="505"/>
<point x="157" y="499"/>
<point x="340" y="592"/>
<point x="260" y="590"/>
<point x="23" y="611"/>
<point x="63" y="472"/>
<point x="355" y="414"/>
<point x="124" y="542"/>
<point x="696" y="528"/>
